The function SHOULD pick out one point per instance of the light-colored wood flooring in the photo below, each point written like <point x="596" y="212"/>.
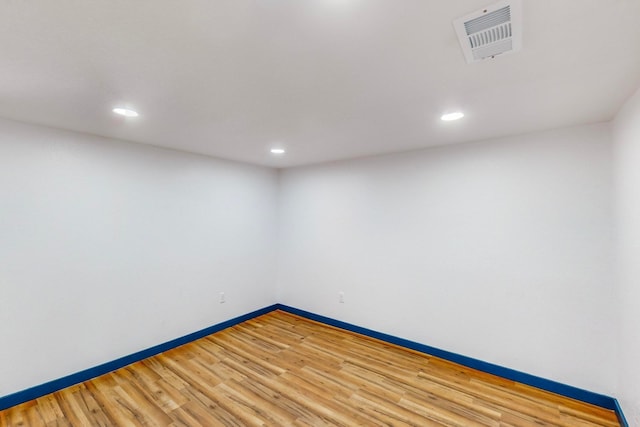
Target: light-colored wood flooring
<point x="280" y="370"/>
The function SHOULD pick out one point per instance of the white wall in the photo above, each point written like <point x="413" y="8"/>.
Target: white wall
<point x="626" y="133"/>
<point x="499" y="250"/>
<point x="109" y="247"/>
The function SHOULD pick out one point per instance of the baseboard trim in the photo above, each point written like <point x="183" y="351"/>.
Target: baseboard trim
<point x="79" y="377"/>
<point x="621" y="419"/>
<point x="597" y="399"/>
<point x="593" y="398"/>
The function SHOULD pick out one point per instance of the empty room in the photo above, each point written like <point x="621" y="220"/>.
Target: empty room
<point x="320" y="213"/>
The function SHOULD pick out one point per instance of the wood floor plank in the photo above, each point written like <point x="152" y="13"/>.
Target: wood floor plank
<point x="283" y="370"/>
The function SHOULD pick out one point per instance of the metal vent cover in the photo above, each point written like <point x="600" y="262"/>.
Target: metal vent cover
<point x="490" y="31"/>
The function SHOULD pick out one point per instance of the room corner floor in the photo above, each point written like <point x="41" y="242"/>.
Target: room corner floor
<point x="279" y="369"/>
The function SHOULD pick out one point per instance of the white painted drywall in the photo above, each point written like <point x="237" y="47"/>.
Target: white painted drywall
<point x="109" y="247"/>
<point x="499" y="250"/>
<point x="626" y="161"/>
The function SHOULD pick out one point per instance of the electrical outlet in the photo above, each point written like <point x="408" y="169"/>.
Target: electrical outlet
<point x="341" y="297"/>
<point x="222" y="300"/>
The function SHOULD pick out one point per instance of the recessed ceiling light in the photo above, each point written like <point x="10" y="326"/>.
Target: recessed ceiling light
<point x="125" y="112"/>
<point x="452" y="116"/>
<point x="277" y="151"/>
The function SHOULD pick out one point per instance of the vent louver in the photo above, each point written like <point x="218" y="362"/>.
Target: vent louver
<point x="490" y="31"/>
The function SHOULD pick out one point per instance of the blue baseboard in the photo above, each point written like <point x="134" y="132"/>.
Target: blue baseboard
<point x="87" y="374"/>
<point x="593" y="398"/>
<point x="621" y="419"/>
<point x="511" y="374"/>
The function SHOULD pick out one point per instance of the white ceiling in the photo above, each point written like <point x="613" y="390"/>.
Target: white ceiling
<point x="326" y="79"/>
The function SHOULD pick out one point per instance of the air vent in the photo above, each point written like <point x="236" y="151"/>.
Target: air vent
<point x="490" y="31"/>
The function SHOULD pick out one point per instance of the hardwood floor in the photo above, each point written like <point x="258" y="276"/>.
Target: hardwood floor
<point x="281" y="370"/>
